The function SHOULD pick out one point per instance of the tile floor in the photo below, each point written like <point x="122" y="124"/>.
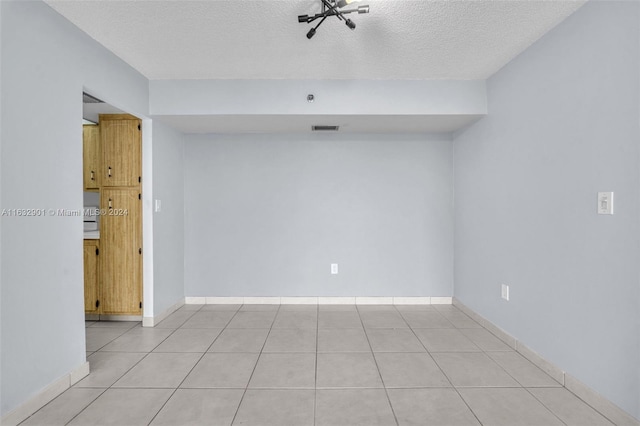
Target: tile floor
<point x="299" y="365"/>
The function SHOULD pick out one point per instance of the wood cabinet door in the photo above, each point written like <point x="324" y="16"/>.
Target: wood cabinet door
<point x="121" y="251"/>
<point x="91" y="156"/>
<point x="121" y="141"/>
<point x="91" y="285"/>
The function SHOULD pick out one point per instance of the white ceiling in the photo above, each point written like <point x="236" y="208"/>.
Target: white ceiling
<point x="249" y="39"/>
<point x="262" y="39"/>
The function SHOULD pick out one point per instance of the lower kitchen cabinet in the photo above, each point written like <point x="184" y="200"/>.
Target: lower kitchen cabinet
<point x="91" y="276"/>
<point x="121" y="251"/>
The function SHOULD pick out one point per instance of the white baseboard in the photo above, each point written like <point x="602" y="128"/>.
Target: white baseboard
<point x="79" y="373"/>
<point x="607" y="408"/>
<point x="224" y="300"/>
<point x="321" y="300"/>
<point x="46" y="395"/>
<point x="411" y="300"/>
<point x="298" y="300"/>
<point x="552" y="370"/>
<point x="441" y="300"/>
<point x="336" y="301"/>
<point x="152" y="321"/>
<point x="374" y="300"/>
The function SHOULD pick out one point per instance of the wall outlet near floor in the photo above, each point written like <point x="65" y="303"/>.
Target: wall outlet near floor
<point x="505" y="292"/>
<point x="334" y="269"/>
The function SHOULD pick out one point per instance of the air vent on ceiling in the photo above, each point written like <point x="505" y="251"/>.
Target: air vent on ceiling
<point x="88" y="99"/>
<point x="325" y="128"/>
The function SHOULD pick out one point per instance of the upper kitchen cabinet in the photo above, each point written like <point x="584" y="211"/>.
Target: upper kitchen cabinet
<point x="91" y="156"/>
<point x="121" y="140"/>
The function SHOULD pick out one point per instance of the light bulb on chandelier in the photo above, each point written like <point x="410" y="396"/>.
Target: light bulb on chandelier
<point x="333" y="8"/>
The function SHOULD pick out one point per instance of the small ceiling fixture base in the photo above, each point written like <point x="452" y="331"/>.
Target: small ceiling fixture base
<point x="332" y="8"/>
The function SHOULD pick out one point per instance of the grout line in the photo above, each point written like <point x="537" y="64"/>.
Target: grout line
<point x="440" y="368"/>
<point x="120" y="335"/>
<point x="545" y="406"/>
<point x="359" y="311"/>
<point x="563" y="387"/>
<point x="257" y="361"/>
<point x="79" y="412"/>
<point x="194" y="365"/>
<point x="123" y="374"/>
<point x="386" y="392"/>
<point x="315" y="379"/>
<point x="59" y="395"/>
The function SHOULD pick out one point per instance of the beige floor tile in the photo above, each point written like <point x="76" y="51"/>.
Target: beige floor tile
<point x="569" y="408"/>
<point x="123" y="407"/>
<point x="195" y="407"/>
<point x="276" y="408"/>
<point x="351" y="407"/>
<point x="222" y="370"/>
<point x="437" y="407"/>
<point x="508" y="407"/>
<point x="473" y="369"/>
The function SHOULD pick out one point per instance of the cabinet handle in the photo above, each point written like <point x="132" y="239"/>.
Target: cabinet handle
<point x="92" y="175"/>
<point x="110" y="206"/>
<point x="109" y="171"/>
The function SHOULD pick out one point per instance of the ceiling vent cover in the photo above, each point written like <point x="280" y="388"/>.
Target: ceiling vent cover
<point x="88" y="99"/>
<point x="325" y="128"/>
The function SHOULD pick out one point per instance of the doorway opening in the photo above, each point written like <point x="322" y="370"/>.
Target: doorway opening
<point x="112" y="197"/>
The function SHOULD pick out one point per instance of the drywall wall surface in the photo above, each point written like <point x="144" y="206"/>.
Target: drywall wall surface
<point x="562" y="126"/>
<point x="46" y="64"/>
<point x="168" y="221"/>
<point x="332" y="97"/>
<point x="266" y="215"/>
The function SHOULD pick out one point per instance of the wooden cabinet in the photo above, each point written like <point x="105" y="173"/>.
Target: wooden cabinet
<point x="91" y="277"/>
<point x="113" y="165"/>
<point x="121" y="251"/>
<point x="91" y="156"/>
<point x="121" y="140"/>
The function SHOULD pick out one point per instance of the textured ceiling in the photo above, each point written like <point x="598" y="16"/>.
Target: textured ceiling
<point x="247" y="39"/>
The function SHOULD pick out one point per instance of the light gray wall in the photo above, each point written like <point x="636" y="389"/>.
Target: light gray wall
<point x="1" y="206"/>
<point x="267" y="215"/>
<point x="168" y="224"/>
<point x="332" y="97"/>
<point x="562" y="125"/>
<point x="46" y="63"/>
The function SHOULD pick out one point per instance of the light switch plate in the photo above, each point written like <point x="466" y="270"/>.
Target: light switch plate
<point x="505" y="292"/>
<point x="158" y="206"/>
<point x="605" y="202"/>
<point x="334" y="269"/>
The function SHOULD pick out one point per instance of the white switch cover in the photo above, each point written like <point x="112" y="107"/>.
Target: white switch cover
<point x="334" y="269"/>
<point x="605" y="202"/>
<point x="505" y="292"/>
<point x="158" y="206"/>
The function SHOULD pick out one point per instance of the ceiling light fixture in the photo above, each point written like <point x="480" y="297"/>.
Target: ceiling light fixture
<point x="332" y="8"/>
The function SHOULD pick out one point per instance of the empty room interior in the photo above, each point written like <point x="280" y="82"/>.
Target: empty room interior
<point x="320" y="212"/>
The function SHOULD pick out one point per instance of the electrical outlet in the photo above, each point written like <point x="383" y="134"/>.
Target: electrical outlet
<point x="334" y="269"/>
<point x="505" y="292"/>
